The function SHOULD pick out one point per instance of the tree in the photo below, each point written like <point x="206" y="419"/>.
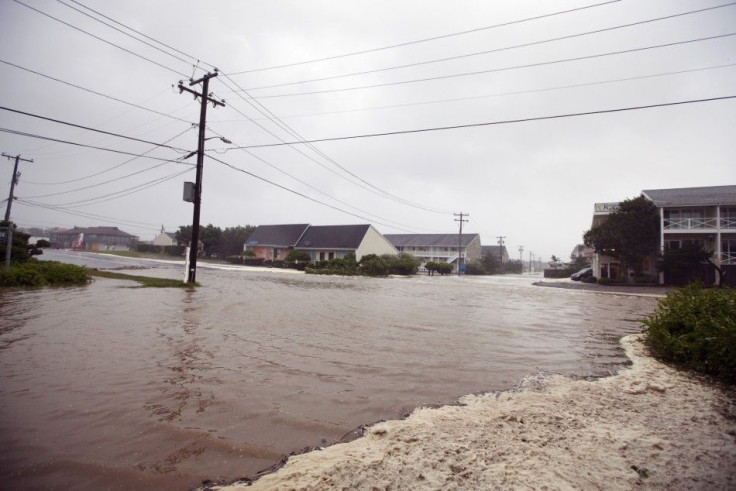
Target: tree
<point x="233" y="240"/>
<point x="683" y="265"/>
<point x="555" y="262"/>
<point x="20" y="250"/>
<point x="579" y="262"/>
<point x="630" y="233"/>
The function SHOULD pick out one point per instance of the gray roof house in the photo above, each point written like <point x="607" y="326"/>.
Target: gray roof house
<point x="94" y="239"/>
<point x="275" y="241"/>
<point x="438" y="247"/>
<point x="321" y="242"/>
<point x="336" y="241"/>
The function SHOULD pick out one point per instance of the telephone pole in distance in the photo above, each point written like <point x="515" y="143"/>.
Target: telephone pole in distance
<point x="521" y="258"/>
<point x="460" y="239"/>
<point x="205" y="97"/>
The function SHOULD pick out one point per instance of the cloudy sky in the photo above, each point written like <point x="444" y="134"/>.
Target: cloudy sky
<point x="482" y="77"/>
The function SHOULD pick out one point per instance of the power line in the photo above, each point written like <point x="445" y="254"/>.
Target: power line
<point x="67" y="142"/>
<point x="492" y="123"/>
<point x="67" y="123"/>
<point x="495" y="50"/>
<point x="434" y="38"/>
<point x="111" y="168"/>
<point x="502" y="69"/>
<point x="100" y="39"/>
<point x="238" y="169"/>
<point x="502" y="94"/>
<point x="93" y="91"/>
<point x="91" y="216"/>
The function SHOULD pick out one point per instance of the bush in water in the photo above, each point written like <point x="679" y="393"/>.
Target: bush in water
<point x="42" y="273"/>
<point x="696" y="328"/>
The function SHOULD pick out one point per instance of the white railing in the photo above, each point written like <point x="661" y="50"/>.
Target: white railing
<point x="690" y="223"/>
<point x="728" y="222"/>
<point x="728" y="258"/>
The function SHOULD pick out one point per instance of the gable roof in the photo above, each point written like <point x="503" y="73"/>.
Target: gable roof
<point x="277" y="235"/>
<point x="713" y="195"/>
<point x="96" y="230"/>
<point x="333" y="237"/>
<point x="429" y="240"/>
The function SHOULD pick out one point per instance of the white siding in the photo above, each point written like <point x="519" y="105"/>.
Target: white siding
<point x="374" y="243"/>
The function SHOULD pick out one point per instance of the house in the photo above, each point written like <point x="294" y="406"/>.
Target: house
<point x="165" y="239"/>
<point x="703" y="215"/>
<point x="94" y="239"/>
<point x="275" y="241"/>
<point x="336" y="241"/>
<point x="441" y="248"/>
<point x="321" y="242"/>
<point x="496" y="251"/>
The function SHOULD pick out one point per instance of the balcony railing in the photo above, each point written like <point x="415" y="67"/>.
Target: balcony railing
<point x="728" y="258"/>
<point x="690" y="223"/>
<point x="728" y="222"/>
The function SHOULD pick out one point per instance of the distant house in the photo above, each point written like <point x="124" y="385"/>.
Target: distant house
<point x="337" y="241"/>
<point x="165" y="239"/>
<point x="275" y="241"/>
<point x="94" y="239"/>
<point x="498" y="252"/>
<point x="321" y="242"/>
<point x="441" y="248"/>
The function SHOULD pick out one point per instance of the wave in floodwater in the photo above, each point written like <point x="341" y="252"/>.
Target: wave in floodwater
<point x="120" y="387"/>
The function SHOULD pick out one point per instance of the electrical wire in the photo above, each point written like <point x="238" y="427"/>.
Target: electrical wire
<point x="67" y="142"/>
<point x="495" y="50"/>
<point x="100" y="39"/>
<point x="502" y="69"/>
<point x="238" y="169"/>
<point x="67" y="123"/>
<point x="434" y="38"/>
<point x="497" y="94"/>
<point x="493" y="123"/>
<point x="109" y="169"/>
<point x="91" y="216"/>
<point x="94" y="92"/>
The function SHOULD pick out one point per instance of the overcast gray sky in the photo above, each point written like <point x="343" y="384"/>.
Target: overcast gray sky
<point x="315" y="70"/>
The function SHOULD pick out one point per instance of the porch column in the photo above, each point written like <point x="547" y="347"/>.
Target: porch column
<point x="661" y="241"/>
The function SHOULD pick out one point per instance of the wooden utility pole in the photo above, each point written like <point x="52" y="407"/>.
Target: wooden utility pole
<point x="460" y="239"/>
<point x="205" y="97"/>
<point x="521" y="258"/>
<point x="11" y="197"/>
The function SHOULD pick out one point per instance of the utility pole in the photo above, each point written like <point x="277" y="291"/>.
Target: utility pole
<point x="205" y="97"/>
<point x="521" y="258"/>
<point x="11" y="197"/>
<point x="500" y="251"/>
<point x="460" y="239"/>
<point x="13" y="182"/>
<point x="530" y="262"/>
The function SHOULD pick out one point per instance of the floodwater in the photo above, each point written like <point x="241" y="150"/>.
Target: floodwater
<point x="108" y="386"/>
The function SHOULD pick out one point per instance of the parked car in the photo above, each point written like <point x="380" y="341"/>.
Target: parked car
<point x="583" y="273"/>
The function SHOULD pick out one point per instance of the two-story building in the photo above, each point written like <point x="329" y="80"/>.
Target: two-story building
<point x="441" y="248"/>
<point x="94" y="239"/>
<point x="704" y="215"/>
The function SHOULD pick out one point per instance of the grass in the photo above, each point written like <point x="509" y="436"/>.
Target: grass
<point x="145" y="281"/>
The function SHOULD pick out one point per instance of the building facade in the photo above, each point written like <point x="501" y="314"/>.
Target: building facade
<point x="94" y="239"/>
<point x="703" y="215"/>
<point x="441" y="248"/>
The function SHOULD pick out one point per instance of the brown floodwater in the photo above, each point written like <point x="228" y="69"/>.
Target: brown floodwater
<point x="112" y="387"/>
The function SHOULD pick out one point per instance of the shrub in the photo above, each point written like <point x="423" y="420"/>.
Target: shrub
<point x="234" y="259"/>
<point x="402" y="264"/>
<point x="42" y="273"/>
<point x="474" y="268"/>
<point x="605" y="281"/>
<point x="175" y="250"/>
<point x="589" y="279"/>
<point x="372" y="265"/>
<point x="296" y="255"/>
<point x="147" y="248"/>
<point x="696" y="328"/>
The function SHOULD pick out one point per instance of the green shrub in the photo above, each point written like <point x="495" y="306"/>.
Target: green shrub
<point x="696" y="328"/>
<point x="589" y="279"/>
<point x="42" y="273"/>
<point x="605" y="281"/>
<point x="475" y="268"/>
<point x="296" y="255"/>
<point x="235" y="259"/>
<point x="372" y="265"/>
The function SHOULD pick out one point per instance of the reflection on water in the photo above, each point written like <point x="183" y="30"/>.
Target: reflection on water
<point x="104" y="386"/>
